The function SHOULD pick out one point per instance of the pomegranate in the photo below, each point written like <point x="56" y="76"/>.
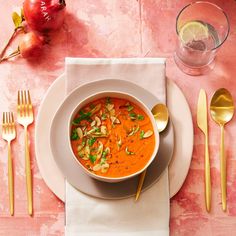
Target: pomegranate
<point x="44" y="15"/>
<point x="31" y="45"/>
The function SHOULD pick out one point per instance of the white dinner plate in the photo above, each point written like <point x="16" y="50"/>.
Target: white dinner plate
<point x="183" y="129"/>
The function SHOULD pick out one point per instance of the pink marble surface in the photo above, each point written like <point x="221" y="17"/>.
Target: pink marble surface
<point x="118" y="28"/>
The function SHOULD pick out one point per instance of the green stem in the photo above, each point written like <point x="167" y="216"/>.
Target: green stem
<point x="9" y="41"/>
<point x="13" y="54"/>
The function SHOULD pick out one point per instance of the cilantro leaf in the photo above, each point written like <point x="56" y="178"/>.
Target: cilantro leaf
<point x="132" y="116"/>
<point x="141" y="134"/>
<point x="91" y="141"/>
<point x="140" y="117"/>
<point x="74" y="135"/>
<point x="92" y="158"/>
<point x="83" y="116"/>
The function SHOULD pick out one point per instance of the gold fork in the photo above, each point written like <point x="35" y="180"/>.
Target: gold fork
<point x="9" y="134"/>
<point x="25" y="117"/>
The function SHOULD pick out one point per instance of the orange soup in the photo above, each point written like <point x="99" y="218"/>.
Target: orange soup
<point x="112" y="137"/>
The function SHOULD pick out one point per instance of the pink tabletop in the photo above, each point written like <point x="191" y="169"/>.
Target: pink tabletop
<point x="127" y="28"/>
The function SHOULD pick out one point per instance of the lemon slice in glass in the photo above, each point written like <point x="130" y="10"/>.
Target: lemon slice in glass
<point x="193" y="31"/>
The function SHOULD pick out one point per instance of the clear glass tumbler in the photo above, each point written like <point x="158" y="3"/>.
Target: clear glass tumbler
<point x="202" y="27"/>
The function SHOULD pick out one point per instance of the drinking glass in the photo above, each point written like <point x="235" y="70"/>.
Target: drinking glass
<point x="202" y="27"/>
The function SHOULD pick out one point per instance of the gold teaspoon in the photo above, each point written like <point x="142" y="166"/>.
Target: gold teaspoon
<point x="161" y="115"/>
<point x="222" y="111"/>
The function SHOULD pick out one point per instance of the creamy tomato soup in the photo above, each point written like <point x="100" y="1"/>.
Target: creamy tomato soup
<point x="112" y="137"/>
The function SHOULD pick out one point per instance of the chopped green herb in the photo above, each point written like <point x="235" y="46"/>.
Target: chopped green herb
<point x="104" y="154"/>
<point x="130" y="108"/>
<point x="103" y="160"/>
<point x="74" y="135"/>
<point x="83" y="116"/>
<point x="96" y="129"/>
<point x="142" y="134"/>
<point x="140" y="117"/>
<point x="104" y="117"/>
<point x="132" y="116"/>
<point x="91" y="141"/>
<point x="92" y="158"/>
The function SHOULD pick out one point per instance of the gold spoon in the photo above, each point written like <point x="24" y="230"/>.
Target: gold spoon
<point x="222" y="111"/>
<point x="161" y="115"/>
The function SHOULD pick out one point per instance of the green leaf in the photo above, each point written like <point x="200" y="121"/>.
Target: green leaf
<point x="132" y="116"/>
<point x="83" y="116"/>
<point x="130" y="108"/>
<point x="103" y="160"/>
<point x="17" y="19"/>
<point x="140" y="117"/>
<point x="91" y="141"/>
<point x="74" y="135"/>
<point x="104" y="117"/>
<point x="104" y="154"/>
<point x="142" y="134"/>
<point x="96" y="129"/>
<point x="92" y="158"/>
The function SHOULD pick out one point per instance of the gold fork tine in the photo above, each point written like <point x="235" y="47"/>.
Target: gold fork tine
<point x="29" y="99"/>
<point x="7" y="122"/>
<point x="3" y="121"/>
<point x="19" y="103"/>
<point x="25" y="103"/>
<point x="29" y="102"/>
<point x="12" y="122"/>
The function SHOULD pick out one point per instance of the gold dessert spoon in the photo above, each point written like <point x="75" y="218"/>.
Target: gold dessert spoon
<point x="222" y="111"/>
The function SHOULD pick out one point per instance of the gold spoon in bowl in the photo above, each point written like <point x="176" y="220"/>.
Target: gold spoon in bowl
<point x="222" y="111"/>
<point x="161" y="115"/>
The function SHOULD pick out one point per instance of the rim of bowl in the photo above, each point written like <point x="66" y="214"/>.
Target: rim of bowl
<point x="143" y="106"/>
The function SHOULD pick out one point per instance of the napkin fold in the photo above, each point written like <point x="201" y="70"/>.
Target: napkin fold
<point x="88" y="216"/>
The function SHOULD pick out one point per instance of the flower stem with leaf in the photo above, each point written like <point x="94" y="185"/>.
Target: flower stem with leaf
<point x="18" y="22"/>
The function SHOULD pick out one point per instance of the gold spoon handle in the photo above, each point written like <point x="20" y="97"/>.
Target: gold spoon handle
<point x="223" y="169"/>
<point x="207" y="177"/>
<point x="140" y="184"/>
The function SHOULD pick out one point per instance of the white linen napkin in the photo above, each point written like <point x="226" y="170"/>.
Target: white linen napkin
<point x="88" y="216"/>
